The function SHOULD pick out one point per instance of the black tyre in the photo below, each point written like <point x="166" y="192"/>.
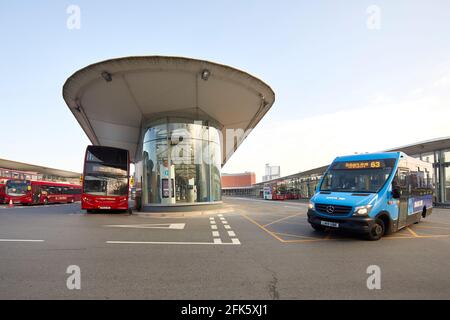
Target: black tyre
<point x="318" y="227"/>
<point x="376" y="231"/>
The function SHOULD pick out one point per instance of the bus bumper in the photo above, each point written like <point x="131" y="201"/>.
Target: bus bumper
<point x="351" y="224"/>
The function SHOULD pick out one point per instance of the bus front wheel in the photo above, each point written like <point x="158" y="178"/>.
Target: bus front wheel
<point x="376" y="231"/>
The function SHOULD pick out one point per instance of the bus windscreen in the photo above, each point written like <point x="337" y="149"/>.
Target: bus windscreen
<point x="106" y="172"/>
<point x="16" y="187"/>
<point x="357" y="176"/>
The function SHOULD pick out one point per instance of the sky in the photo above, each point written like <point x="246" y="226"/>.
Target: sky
<point x="349" y="76"/>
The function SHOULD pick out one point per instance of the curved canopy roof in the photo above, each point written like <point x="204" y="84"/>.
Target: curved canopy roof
<point x="424" y="146"/>
<point x="113" y="99"/>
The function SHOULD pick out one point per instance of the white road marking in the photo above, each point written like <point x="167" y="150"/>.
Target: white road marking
<point x="235" y="241"/>
<point x="215" y="234"/>
<point x="217" y="241"/>
<point x="20" y="240"/>
<point x="231" y="234"/>
<point x="226" y="226"/>
<point x="220" y="215"/>
<point x="173" y="226"/>
<point x="214" y="227"/>
<point x="222" y="218"/>
<point x="182" y="243"/>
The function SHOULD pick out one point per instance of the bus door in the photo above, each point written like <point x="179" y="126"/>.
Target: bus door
<point x="403" y="182"/>
<point x="36" y="193"/>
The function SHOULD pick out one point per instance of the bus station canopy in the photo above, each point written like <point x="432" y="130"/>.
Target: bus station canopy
<point x="112" y="100"/>
<point x="424" y="146"/>
<point x="14" y="165"/>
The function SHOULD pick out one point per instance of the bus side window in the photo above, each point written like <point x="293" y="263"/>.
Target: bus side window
<point x="403" y="183"/>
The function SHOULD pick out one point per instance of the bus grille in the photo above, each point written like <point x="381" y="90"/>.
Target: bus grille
<point x="333" y="210"/>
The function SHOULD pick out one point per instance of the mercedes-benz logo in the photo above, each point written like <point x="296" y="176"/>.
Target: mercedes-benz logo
<point x="330" y="209"/>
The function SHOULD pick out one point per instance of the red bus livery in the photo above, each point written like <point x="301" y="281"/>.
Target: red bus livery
<point x="105" y="179"/>
<point x="2" y="192"/>
<point x="28" y="192"/>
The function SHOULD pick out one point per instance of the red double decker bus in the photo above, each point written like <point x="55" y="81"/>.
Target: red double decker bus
<point x="29" y="192"/>
<point x="105" y="179"/>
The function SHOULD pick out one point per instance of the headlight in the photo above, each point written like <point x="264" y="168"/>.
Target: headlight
<point x="363" y="210"/>
<point x="311" y="205"/>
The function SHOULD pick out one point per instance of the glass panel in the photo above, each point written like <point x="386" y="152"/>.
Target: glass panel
<point x="447" y="184"/>
<point x="428" y="157"/>
<point x="446" y="156"/>
<point x="193" y="151"/>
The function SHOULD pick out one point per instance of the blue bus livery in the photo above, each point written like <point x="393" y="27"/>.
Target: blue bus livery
<point x="373" y="194"/>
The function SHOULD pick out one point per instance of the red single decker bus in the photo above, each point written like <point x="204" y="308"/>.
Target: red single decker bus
<point x="105" y="179"/>
<point x="28" y="192"/>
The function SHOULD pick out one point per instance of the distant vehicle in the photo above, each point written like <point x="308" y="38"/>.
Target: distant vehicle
<point x="267" y="195"/>
<point x="272" y="192"/>
<point x="292" y="194"/>
<point x="29" y="192"/>
<point x="373" y="194"/>
<point x="105" y="179"/>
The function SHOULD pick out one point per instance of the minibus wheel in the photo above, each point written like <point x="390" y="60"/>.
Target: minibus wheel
<point x="376" y="231"/>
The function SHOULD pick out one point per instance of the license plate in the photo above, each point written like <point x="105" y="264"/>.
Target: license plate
<point x="329" y="224"/>
<point x="105" y="207"/>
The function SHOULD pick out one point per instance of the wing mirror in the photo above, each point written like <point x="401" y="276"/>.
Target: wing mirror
<point x="396" y="192"/>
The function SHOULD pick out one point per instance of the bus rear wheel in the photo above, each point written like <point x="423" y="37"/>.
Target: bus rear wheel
<point x="376" y="231"/>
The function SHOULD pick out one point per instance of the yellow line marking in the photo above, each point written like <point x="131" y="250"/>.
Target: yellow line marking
<point x="418" y="237"/>
<point x="327" y="237"/>
<point x="402" y="234"/>
<point x="281" y="219"/>
<point x="294" y="235"/>
<point x="262" y="227"/>
<point x="412" y="232"/>
<point x="430" y="227"/>
<point x="307" y="240"/>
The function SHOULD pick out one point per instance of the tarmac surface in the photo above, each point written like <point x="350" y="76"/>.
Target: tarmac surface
<point x="253" y="249"/>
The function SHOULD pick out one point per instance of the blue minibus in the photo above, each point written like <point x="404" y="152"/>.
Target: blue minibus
<point x="373" y="194"/>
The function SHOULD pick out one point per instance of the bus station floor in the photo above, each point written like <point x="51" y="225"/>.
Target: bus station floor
<point x="251" y="249"/>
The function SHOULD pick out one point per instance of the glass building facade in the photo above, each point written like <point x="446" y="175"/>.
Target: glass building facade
<point x="181" y="162"/>
<point x="441" y="164"/>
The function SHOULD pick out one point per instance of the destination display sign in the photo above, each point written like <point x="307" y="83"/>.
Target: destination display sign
<point x="358" y="165"/>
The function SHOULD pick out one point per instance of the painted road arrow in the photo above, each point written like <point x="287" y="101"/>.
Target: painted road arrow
<point x="173" y="226"/>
